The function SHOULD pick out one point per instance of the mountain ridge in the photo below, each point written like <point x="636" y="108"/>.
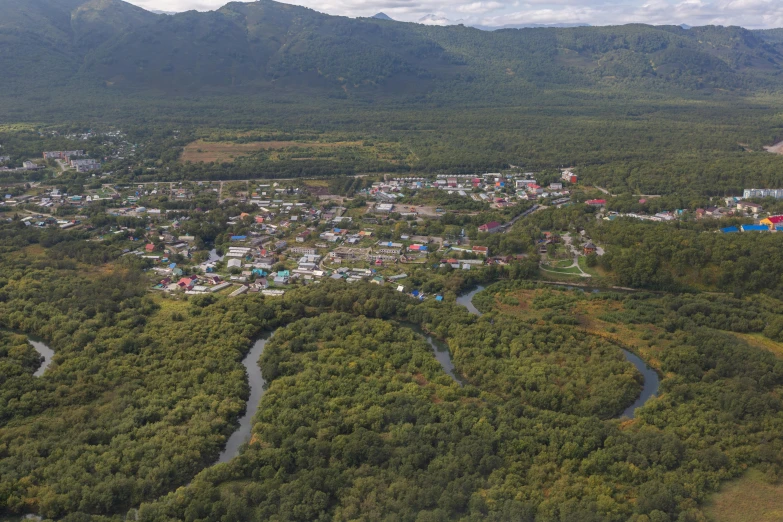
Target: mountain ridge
<point x="265" y="47"/>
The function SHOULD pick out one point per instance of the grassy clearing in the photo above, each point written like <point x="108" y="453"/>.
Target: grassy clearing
<point x="228" y="151"/>
<point x="758" y="340"/>
<point x="573" y="270"/>
<point x="747" y="499"/>
<point x="594" y="317"/>
<point x="593" y="271"/>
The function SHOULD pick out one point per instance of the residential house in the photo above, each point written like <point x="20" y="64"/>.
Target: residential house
<point x="348" y="253"/>
<point x="568" y="176"/>
<point x="772" y="221"/>
<point x="264" y="263"/>
<point x="491" y="227"/>
<point x="308" y="251"/>
<point x="596" y="202"/>
<point x="524" y="183"/>
<point x="747" y="206"/>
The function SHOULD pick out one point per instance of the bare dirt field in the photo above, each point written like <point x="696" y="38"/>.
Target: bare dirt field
<point x="228" y="151"/>
<point x="775" y="149"/>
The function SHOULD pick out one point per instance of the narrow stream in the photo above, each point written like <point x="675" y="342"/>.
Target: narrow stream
<point x="466" y="300"/>
<point x="651" y="380"/>
<point x="440" y="351"/>
<point x="45" y="352"/>
<point x="650" y="386"/>
<point x="257" y="382"/>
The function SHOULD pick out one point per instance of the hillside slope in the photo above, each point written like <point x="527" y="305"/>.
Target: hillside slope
<point x="43" y="42"/>
<point x="255" y="43"/>
<point x="259" y="48"/>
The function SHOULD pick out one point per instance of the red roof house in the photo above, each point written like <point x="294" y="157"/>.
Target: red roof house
<point x="491" y="227"/>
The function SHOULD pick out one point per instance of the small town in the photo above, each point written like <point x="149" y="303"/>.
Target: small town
<point x="296" y="232"/>
<point x="393" y="261"/>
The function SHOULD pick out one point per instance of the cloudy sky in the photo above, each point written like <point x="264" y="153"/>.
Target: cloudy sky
<point x="747" y="13"/>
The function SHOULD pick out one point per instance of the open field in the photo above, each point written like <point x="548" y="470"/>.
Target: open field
<point x="747" y="499"/>
<point x="227" y="151"/>
<point x="758" y="340"/>
<point x="775" y="149"/>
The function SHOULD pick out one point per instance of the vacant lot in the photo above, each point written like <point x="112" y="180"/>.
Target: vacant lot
<point x="748" y="499"/>
<point x="228" y="151"/>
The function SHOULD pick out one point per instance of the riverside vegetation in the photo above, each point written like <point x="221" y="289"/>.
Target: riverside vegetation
<point x="359" y="420"/>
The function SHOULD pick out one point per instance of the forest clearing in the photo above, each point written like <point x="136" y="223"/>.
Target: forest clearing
<point x="749" y="498"/>
<point x="227" y="151"/>
<point x="775" y="149"/>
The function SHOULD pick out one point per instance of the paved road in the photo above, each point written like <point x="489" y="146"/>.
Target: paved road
<point x="534" y="208"/>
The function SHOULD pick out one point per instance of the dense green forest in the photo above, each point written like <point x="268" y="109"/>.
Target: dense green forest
<point x="641" y="109"/>
<point x="342" y="435"/>
<point x="359" y="420"/>
<point x="671" y="258"/>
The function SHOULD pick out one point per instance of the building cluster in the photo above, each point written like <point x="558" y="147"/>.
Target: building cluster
<point x="768" y="224"/>
<point x="497" y="189"/>
<point x="64" y="155"/>
<point x="85" y="165"/>
<point x="762" y="193"/>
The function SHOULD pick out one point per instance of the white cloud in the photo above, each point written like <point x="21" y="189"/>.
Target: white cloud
<point x="479" y="7"/>
<point x="747" y="13"/>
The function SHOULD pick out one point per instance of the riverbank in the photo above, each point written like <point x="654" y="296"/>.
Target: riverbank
<point x="651" y="382"/>
<point x="257" y="388"/>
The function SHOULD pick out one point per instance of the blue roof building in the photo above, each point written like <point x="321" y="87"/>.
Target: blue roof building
<point x="755" y="228"/>
<point x="729" y="230"/>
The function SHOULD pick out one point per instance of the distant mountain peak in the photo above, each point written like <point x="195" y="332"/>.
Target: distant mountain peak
<point x="383" y="16"/>
<point x="433" y="19"/>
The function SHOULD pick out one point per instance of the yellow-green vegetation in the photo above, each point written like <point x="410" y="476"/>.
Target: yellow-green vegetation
<point x="360" y="421"/>
<point x="751" y="498"/>
<point x="203" y="151"/>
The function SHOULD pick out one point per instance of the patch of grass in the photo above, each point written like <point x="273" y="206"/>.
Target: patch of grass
<point x="593" y="271"/>
<point x="758" y="340"/>
<point x="564" y="263"/>
<point x="220" y="152"/>
<point x="573" y="270"/>
<point x="748" y="499"/>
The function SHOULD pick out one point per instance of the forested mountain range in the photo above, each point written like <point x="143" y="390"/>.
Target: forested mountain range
<point x="261" y="47"/>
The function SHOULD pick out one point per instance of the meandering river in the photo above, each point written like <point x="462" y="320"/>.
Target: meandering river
<point x="257" y="382"/>
<point x="651" y="380"/>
